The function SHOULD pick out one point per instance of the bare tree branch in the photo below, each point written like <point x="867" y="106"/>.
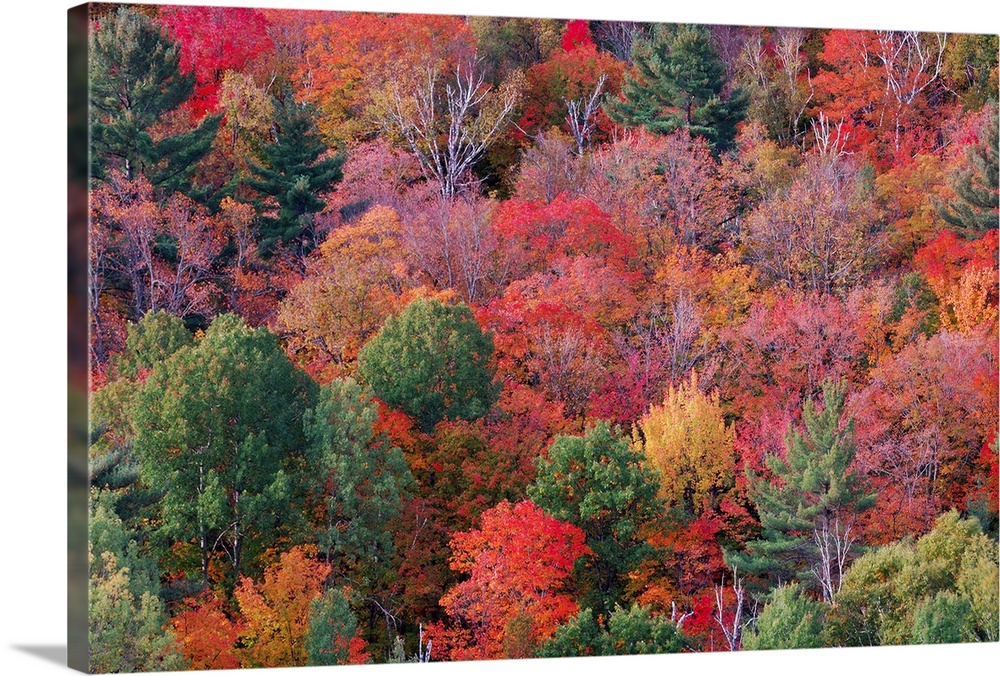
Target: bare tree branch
<point x="449" y="127"/>
<point x="733" y="631"/>
<point x="581" y="115"/>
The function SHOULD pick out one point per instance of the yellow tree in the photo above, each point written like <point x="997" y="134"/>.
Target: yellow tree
<point x="972" y="301"/>
<point x="689" y="444"/>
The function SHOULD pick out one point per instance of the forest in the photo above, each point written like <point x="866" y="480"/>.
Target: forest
<point x="425" y="338"/>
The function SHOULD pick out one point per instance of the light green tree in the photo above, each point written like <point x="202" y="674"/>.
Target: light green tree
<point x="113" y="465"/>
<point x="941" y="588"/>
<point x="867" y="598"/>
<point x="944" y="618"/>
<point x="154" y="338"/>
<point x="789" y="619"/>
<point x="128" y="623"/>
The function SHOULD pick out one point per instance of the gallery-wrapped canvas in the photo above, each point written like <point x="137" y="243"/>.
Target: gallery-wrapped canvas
<point x="427" y="338"/>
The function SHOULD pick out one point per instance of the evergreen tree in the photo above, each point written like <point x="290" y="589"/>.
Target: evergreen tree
<point x="598" y="483"/>
<point x="978" y="204"/>
<point x="635" y="631"/>
<point x="679" y="83"/>
<point x="332" y="625"/>
<point x="117" y="473"/>
<point x="808" y="517"/>
<point x="135" y="80"/>
<point x="293" y="174"/>
<point x="580" y="637"/>
<point x="433" y="362"/>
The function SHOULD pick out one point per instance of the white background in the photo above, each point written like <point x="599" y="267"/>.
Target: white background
<point x="33" y="326"/>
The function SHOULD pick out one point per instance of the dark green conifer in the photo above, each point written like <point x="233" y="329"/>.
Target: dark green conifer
<point x="977" y="206"/>
<point x="292" y="172"/>
<point x="808" y="516"/>
<point x="599" y="483"/>
<point x="135" y="80"/>
<point x="679" y="84"/>
<point x="635" y="631"/>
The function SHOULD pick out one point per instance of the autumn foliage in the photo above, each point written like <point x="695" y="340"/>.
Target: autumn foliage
<point x="276" y="611"/>
<point x="518" y="565"/>
<point x="721" y="301"/>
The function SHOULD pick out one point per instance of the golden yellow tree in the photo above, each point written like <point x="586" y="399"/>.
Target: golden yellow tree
<point x="688" y="443"/>
<point x="971" y="302"/>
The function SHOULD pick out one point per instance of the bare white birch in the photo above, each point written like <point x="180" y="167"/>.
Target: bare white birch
<point x="732" y="630"/>
<point x="582" y="115"/>
<point x="833" y="540"/>
<point x="448" y="125"/>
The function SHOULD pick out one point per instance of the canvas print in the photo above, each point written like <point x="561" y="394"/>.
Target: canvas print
<point x="420" y="338"/>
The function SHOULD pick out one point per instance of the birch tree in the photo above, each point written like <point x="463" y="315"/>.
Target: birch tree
<point x="448" y="122"/>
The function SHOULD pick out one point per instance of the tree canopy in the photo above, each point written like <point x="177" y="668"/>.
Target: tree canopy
<point x="432" y="361"/>
<point x="425" y="337"/>
<point x="209" y="433"/>
<point x="598" y="482"/>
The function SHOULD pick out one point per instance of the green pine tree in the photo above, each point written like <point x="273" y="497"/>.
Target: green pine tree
<point x="116" y="472"/>
<point x="808" y="517"/>
<point x="293" y="174"/>
<point x="332" y="624"/>
<point x="635" y="631"/>
<point x="679" y="84"/>
<point x="135" y="80"/>
<point x="977" y="206"/>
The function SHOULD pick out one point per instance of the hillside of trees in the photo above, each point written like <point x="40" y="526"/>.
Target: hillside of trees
<point x="428" y="338"/>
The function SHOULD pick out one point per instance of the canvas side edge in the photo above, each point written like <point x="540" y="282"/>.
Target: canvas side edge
<point x="77" y="337"/>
